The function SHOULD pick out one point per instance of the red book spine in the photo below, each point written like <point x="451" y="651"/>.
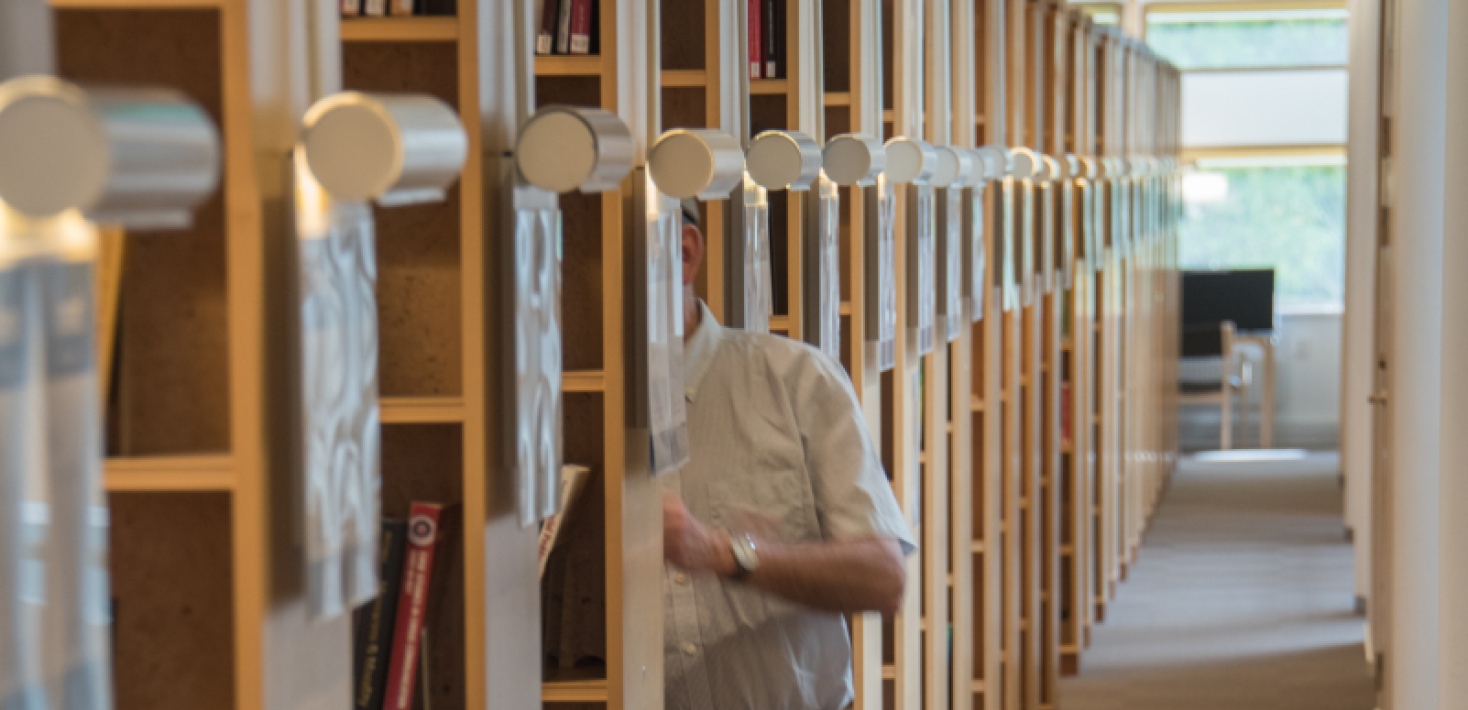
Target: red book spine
<point x="580" y="26"/>
<point x="423" y="521"/>
<point x="756" y="48"/>
<point x="1066" y="414"/>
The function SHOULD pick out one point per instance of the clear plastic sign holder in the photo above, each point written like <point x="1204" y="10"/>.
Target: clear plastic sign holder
<point x="658" y="403"/>
<point x="913" y="164"/>
<point x="858" y="161"/>
<point x="354" y="149"/>
<point x="73" y="158"/>
<point x="955" y="166"/>
<point x="560" y="149"/>
<point x="822" y="282"/>
<point x="758" y="293"/>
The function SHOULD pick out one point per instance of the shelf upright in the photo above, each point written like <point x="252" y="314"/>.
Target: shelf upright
<point x="965" y="471"/>
<point x="993" y="556"/>
<point x="904" y="410"/>
<point x="186" y="464"/>
<point x="1109" y="411"/>
<point x="619" y="546"/>
<point x="1057" y="270"/>
<point x="852" y="96"/>
<point x="936" y="468"/>
<point x="1077" y="459"/>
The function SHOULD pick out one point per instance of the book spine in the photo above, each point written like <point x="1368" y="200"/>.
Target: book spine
<point x="595" y="27"/>
<point x="423" y="521"/>
<point x="770" y="39"/>
<point x="545" y="39"/>
<point x="402" y="8"/>
<point x="756" y="53"/>
<point x="374" y="8"/>
<point x="563" y="27"/>
<point x="351" y="8"/>
<point x="377" y="620"/>
<point x="580" y="26"/>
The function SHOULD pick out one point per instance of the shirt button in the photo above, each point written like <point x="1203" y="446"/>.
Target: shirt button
<point x="680" y="578"/>
<point x="690" y="649"/>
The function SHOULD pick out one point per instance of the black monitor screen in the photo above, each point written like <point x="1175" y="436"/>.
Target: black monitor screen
<point x="1245" y="297"/>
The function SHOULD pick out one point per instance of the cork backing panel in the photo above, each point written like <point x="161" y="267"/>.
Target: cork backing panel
<point x="172" y="360"/>
<point x="418" y="247"/>
<point x="171" y="582"/>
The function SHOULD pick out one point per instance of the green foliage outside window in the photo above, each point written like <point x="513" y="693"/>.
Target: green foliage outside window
<point x="1249" y="44"/>
<point x="1292" y="218"/>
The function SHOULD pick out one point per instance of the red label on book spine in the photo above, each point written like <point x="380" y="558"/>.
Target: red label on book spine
<point x="423" y="521"/>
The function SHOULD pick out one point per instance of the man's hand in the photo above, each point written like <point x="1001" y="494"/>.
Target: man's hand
<point x="692" y="546"/>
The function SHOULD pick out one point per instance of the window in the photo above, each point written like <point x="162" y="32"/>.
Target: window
<point x="1264" y="107"/>
<point x="1285" y="213"/>
<point x="1249" y="40"/>
<point x="1102" y="13"/>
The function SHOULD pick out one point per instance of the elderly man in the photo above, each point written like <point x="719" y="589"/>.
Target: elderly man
<point x="782" y="523"/>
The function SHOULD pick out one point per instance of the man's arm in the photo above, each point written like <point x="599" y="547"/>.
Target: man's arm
<point x="847" y="576"/>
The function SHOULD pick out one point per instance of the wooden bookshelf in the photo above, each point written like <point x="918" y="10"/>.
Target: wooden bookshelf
<point x="1025" y="528"/>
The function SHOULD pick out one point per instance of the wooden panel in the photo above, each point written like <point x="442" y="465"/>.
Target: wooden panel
<point x="171" y="581"/>
<point x="172" y="394"/>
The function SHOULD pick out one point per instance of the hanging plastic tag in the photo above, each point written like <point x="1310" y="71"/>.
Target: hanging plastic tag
<point x="341" y="425"/>
<point x="667" y="416"/>
<point x="758" y="295"/>
<point x="538" y="362"/>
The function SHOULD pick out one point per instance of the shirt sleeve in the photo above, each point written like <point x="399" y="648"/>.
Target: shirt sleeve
<point x="853" y="497"/>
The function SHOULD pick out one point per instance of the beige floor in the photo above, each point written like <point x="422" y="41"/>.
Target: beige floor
<point x="1241" y="599"/>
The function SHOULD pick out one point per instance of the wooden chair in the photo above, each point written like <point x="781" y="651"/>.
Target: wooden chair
<point x="1221" y="392"/>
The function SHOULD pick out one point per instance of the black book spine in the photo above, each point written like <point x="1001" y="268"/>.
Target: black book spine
<point x="377" y="619"/>
<point x="772" y="39"/>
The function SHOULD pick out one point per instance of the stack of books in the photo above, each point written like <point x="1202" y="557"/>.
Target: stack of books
<point x="568" y="27"/>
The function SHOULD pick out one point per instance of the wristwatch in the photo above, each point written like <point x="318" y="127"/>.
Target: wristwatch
<point x="746" y="557"/>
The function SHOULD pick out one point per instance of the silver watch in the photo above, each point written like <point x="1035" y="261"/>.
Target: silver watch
<point x="746" y="557"/>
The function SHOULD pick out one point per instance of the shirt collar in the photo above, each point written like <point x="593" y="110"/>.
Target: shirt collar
<point x="698" y="351"/>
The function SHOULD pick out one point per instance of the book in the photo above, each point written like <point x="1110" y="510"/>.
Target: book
<point x="376" y="620"/>
<point x="402" y="8"/>
<point x="573" y="481"/>
<point x="580" y="26"/>
<point x="770" y="38"/>
<point x="756" y="51"/>
<point x="422" y="541"/>
<point x="351" y="8"/>
<point x="563" y="26"/>
<point x="1065" y="413"/>
<point x="374" y="8"/>
<point x="545" y="38"/>
<point x="595" y="27"/>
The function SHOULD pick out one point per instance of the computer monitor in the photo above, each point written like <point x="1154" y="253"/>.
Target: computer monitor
<point x="1244" y="296"/>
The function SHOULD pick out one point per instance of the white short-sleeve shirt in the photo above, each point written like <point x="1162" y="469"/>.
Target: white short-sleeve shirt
<point x="778" y="448"/>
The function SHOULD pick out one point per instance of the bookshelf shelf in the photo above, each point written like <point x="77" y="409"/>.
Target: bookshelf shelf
<point x="769" y="87"/>
<point x="169" y="473"/>
<point x="684" y="78"/>
<point x="584" y="381"/>
<point x="422" y="410"/>
<point x="560" y="65"/>
<point x="780" y="323"/>
<point x="838" y="98"/>
<point x="400" y="29"/>
<point x="590" y="690"/>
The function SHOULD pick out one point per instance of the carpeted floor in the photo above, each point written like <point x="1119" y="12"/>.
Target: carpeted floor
<point x="1241" y="599"/>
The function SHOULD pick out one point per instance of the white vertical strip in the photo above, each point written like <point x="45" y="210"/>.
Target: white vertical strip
<point x="1453" y="499"/>
<point x="1360" y="292"/>
<point x="1419" y="165"/>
